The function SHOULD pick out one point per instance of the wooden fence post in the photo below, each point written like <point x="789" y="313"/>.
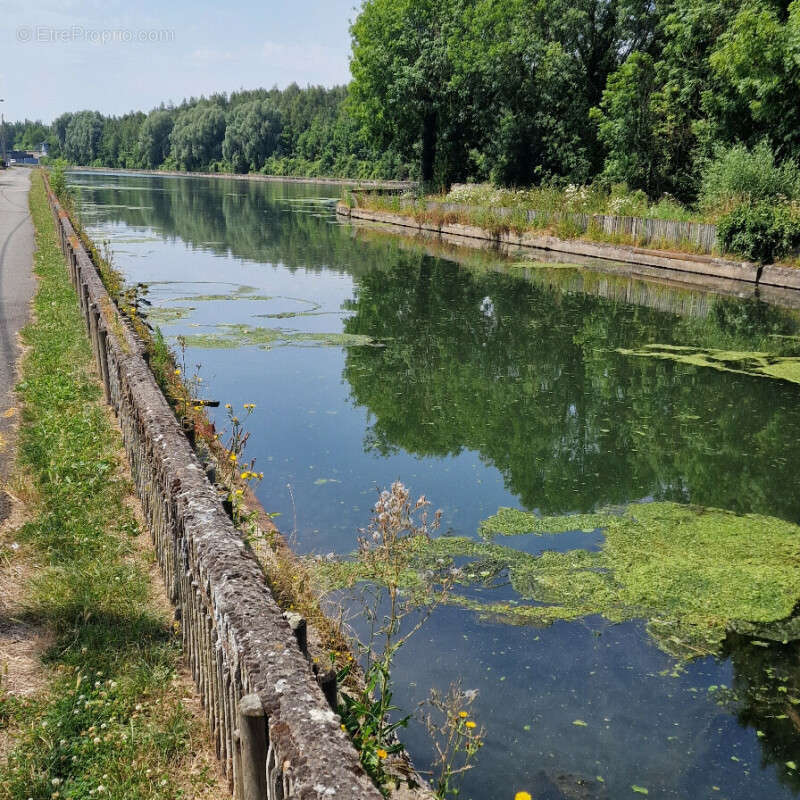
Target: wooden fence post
<point x="253" y="740"/>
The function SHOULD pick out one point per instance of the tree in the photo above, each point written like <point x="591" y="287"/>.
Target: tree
<point x="401" y="69"/>
<point x="154" y="143"/>
<point x="82" y="137"/>
<point x="196" y="139"/>
<point x="757" y="63"/>
<point x="252" y="135"/>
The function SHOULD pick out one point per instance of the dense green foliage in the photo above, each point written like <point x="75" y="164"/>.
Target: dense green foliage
<point x="694" y="99"/>
<point x="760" y="232"/>
<point x="292" y="131"/>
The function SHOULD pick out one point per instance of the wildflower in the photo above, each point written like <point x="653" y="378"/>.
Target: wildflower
<point x="343" y="727"/>
<point x="463" y="714"/>
<point x="55" y="781"/>
<point x="177" y="372"/>
<point x="470" y="724"/>
<point x="522" y="796"/>
<point x="232" y="457"/>
<point x="228" y="406"/>
<point x="382" y="753"/>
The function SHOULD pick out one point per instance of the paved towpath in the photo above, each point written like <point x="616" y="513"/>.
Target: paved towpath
<point x="16" y="289"/>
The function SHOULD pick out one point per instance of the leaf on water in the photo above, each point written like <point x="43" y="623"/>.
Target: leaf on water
<point x="580" y="723"/>
<point x="639" y="789"/>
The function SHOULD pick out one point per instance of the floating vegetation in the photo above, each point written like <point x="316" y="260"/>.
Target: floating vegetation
<point x="164" y="315"/>
<point x="232" y="336"/>
<point x="208" y="298"/>
<point x="512" y="522"/>
<point x="292" y="314"/>
<point x="786" y="368"/>
<point x="693" y="573"/>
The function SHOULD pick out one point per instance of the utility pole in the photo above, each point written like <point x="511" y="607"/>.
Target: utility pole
<point x="3" y="134"/>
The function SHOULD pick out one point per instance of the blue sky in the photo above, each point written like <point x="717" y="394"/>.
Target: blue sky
<point x="53" y="56"/>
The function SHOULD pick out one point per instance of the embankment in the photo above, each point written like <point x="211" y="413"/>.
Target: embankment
<point x="669" y="263"/>
<point x="274" y="731"/>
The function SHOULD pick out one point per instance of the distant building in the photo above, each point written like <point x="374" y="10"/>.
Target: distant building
<point x="22" y="157"/>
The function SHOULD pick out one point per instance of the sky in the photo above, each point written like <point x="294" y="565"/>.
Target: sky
<point x="114" y="57"/>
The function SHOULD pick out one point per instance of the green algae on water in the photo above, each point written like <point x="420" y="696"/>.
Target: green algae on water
<point x="759" y="364"/>
<point x="230" y="337"/>
<point x="164" y="315"/>
<point x="512" y="522"/>
<point x="692" y="573"/>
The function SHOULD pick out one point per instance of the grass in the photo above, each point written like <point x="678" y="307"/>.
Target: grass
<point x="554" y="208"/>
<point x="111" y="723"/>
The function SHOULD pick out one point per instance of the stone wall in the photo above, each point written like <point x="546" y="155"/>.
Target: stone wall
<point x="274" y="731"/>
<point x="669" y="264"/>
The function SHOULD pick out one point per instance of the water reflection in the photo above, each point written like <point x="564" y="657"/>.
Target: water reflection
<point x="497" y="385"/>
<point x="531" y="379"/>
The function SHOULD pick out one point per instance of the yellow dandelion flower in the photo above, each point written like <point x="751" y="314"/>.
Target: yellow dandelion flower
<point x="177" y="372"/>
<point x="232" y="457"/>
<point x="463" y="714"/>
<point x="382" y="753"/>
<point x="470" y="724"/>
<point x="522" y="796"/>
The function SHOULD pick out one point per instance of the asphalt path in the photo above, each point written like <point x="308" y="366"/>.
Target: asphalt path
<point x="16" y="289"/>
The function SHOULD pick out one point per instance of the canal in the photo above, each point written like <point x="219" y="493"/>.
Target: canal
<point x="645" y="647"/>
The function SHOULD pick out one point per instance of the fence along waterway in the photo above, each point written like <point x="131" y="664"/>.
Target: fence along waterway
<point x="274" y="731"/>
<point x="485" y="389"/>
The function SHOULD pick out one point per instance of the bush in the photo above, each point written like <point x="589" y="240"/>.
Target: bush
<point x="737" y="174"/>
<point x="760" y="232"/>
<point x="58" y="180"/>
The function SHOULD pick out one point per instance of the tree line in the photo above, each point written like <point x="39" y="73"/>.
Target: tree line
<point x="293" y="131"/>
<point x="519" y="92"/>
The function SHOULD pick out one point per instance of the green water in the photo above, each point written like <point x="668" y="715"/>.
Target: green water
<point x="485" y="384"/>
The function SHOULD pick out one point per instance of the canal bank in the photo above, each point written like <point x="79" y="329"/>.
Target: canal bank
<point x="94" y="699"/>
<point x="271" y="718"/>
<point x="488" y="385"/>
<point x="670" y="264"/>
